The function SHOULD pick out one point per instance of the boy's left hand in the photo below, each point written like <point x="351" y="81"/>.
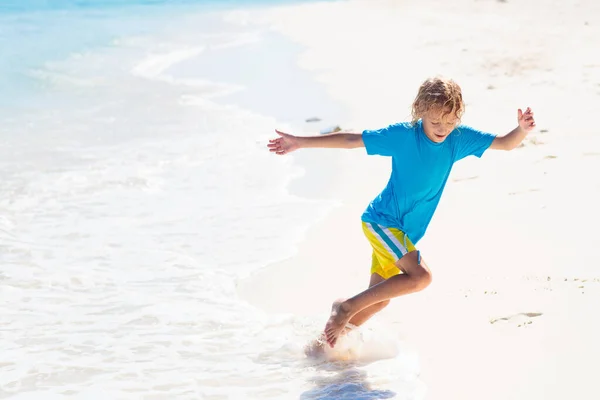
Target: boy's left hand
<point x="526" y="121"/>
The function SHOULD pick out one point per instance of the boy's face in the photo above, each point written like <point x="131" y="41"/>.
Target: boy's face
<point x="438" y="126"/>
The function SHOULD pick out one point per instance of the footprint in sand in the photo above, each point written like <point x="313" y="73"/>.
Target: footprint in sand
<point x="468" y="178"/>
<point x="523" y="191"/>
<point x="521" y="319"/>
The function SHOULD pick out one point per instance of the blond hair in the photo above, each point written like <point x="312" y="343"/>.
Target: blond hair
<point x="438" y="93"/>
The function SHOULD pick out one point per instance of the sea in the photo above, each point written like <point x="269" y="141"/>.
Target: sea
<point x="137" y="190"/>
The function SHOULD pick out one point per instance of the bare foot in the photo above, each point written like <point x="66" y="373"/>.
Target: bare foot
<point x="316" y="348"/>
<point x="340" y="315"/>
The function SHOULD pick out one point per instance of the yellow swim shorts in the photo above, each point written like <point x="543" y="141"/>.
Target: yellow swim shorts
<point x="389" y="245"/>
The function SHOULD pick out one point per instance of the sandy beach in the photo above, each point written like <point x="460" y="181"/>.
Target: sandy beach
<point x="511" y="313"/>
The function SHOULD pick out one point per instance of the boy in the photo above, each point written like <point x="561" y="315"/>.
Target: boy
<point x="423" y="152"/>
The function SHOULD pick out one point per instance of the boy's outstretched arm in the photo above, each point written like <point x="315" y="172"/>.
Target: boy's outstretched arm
<point x="513" y="138"/>
<point x="287" y="143"/>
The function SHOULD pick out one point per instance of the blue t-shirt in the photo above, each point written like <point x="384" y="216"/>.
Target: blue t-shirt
<point x="420" y="169"/>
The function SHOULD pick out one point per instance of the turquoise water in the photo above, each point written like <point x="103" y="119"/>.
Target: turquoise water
<point x="33" y="33"/>
<point x="47" y="5"/>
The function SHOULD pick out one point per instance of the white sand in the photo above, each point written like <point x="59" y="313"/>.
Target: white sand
<point x="513" y="246"/>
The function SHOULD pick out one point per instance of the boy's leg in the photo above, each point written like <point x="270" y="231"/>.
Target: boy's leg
<point x="416" y="277"/>
<point x="315" y="348"/>
<point x="362" y="316"/>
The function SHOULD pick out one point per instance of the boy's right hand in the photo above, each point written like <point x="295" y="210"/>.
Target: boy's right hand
<point x="284" y="144"/>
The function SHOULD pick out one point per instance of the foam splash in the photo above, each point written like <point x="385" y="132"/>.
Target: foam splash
<point x="366" y="363"/>
<point x="358" y="345"/>
<point x="367" y="345"/>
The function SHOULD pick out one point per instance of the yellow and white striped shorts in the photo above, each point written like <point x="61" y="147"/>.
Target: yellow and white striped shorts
<point x="389" y="245"/>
